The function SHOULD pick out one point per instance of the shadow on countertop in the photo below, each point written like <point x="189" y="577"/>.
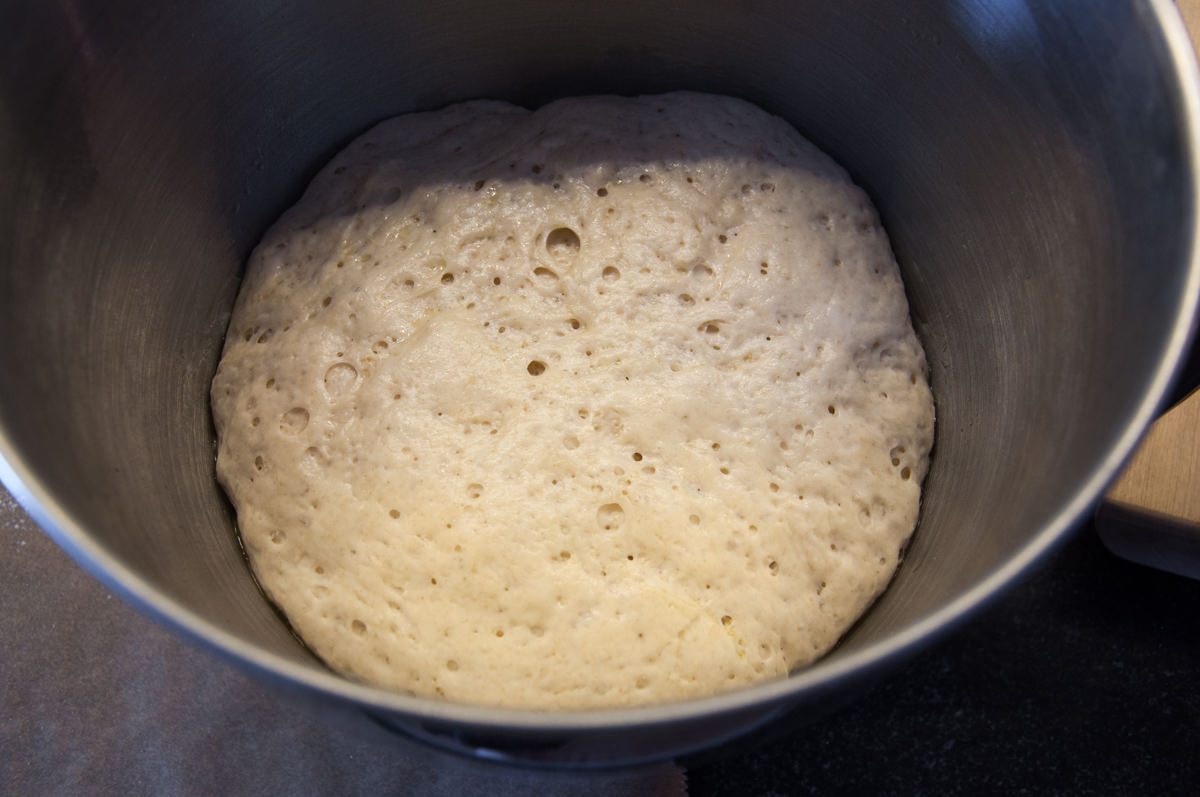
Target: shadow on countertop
<point x="1082" y="680"/>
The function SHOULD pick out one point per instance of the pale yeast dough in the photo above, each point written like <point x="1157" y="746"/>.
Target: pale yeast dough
<point x="612" y="402"/>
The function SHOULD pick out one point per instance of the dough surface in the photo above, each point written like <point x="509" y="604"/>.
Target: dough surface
<point x="612" y="402"/>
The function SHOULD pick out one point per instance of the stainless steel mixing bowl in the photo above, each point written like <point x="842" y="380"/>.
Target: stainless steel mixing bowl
<point x="1034" y="163"/>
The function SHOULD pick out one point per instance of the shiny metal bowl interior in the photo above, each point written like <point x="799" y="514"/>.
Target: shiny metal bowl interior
<point x="1034" y="164"/>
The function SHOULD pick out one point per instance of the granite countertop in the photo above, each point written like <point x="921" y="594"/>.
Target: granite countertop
<point x="1083" y="679"/>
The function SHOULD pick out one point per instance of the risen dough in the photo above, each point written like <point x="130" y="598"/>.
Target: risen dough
<point x="612" y="402"/>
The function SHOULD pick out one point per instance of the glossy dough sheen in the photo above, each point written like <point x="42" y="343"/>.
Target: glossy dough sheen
<point x="612" y="402"/>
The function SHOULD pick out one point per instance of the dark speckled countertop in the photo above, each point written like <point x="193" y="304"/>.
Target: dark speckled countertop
<point x="1083" y="679"/>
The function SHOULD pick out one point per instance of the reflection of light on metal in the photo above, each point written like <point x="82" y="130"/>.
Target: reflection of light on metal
<point x="999" y="28"/>
<point x="76" y="24"/>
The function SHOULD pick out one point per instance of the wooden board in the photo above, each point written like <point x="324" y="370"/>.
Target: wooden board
<point x="1163" y="478"/>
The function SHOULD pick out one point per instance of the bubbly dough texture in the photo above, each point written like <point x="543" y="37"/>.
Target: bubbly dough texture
<point x="612" y="402"/>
